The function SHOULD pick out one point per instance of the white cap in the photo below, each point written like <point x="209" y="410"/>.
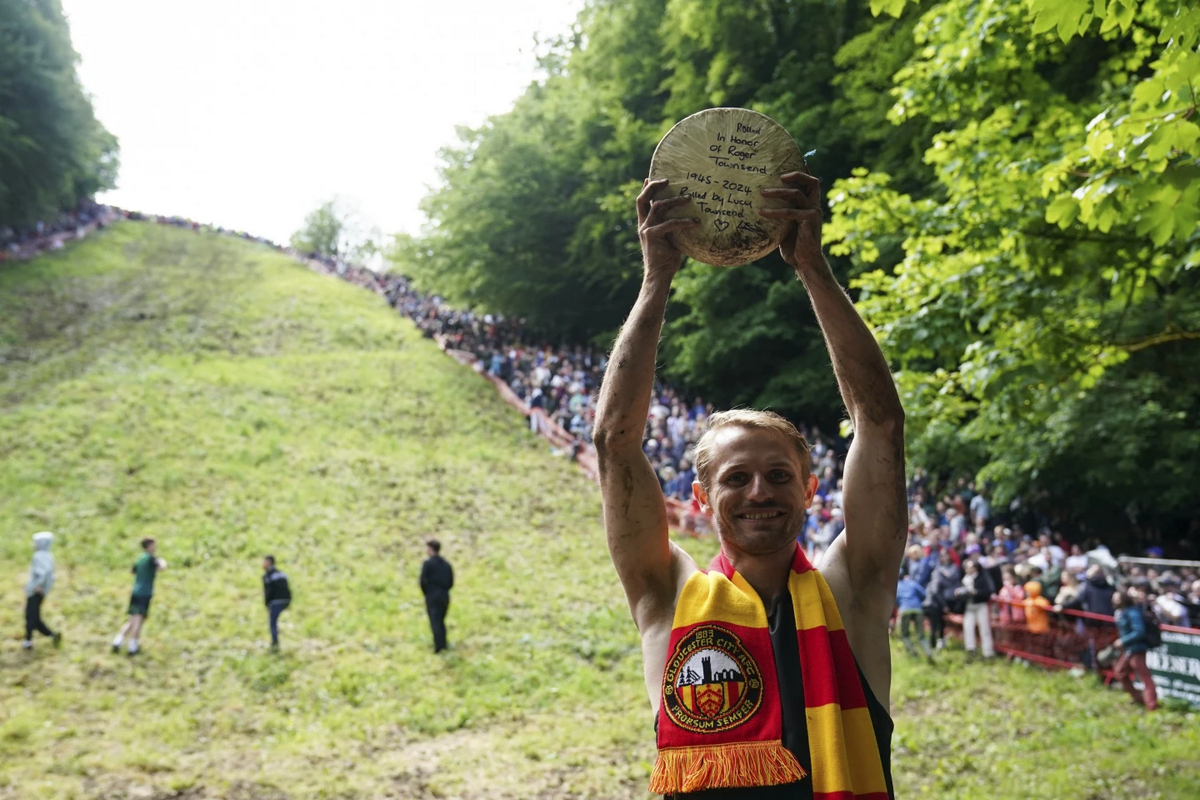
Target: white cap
<point x="43" y="536"/>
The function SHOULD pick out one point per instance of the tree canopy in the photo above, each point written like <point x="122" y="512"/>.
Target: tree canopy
<point x="53" y="151"/>
<point x="335" y="230"/>
<point x="1045" y="311"/>
<point x="1013" y="197"/>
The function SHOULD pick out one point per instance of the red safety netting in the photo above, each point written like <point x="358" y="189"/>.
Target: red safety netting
<point x="1053" y="639"/>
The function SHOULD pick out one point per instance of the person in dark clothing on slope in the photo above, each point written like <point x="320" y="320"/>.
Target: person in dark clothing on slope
<point x="276" y="594"/>
<point x="437" y="578"/>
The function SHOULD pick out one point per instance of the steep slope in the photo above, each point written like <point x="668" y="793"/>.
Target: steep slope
<point x="221" y="397"/>
<point x="226" y="400"/>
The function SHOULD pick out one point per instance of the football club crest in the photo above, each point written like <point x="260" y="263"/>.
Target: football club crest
<point x="711" y="683"/>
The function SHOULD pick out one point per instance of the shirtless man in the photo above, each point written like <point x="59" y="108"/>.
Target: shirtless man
<point x="754" y="476"/>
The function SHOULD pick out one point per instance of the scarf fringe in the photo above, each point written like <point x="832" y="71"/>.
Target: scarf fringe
<point x="690" y="769"/>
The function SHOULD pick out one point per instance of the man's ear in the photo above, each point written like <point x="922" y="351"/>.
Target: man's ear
<point x="701" y="495"/>
<point x="810" y="491"/>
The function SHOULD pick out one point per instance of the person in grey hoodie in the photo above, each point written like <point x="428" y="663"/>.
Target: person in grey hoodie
<point x="41" y="579"/>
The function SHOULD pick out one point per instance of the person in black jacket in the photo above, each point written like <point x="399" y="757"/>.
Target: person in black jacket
<point x="939" y="596"/>
<point x="276" y="594"/>
<point x="437" y="578"/>
<point x="1095" y="597"/>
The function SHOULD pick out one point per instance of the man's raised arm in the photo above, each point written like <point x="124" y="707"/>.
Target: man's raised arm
<point x="873" y="483"/>
<point x="635" y="514"/>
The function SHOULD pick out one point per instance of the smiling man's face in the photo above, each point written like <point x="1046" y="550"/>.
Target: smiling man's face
<point x="758" y="490"/>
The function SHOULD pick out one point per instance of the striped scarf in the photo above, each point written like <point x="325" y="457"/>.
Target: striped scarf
<point x="721" y="720"/>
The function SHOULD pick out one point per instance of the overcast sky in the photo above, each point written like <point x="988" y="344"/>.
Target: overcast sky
<point x="250" y="113"/>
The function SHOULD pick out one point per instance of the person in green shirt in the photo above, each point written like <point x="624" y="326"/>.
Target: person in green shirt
<point x="144" y="571"/>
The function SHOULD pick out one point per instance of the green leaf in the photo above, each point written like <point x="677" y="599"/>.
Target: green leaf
<point x="1063" y="211"/>
<point x="1065" y="15"/>
<point x="1184" y="30"/>
<point x="890" y="7"/>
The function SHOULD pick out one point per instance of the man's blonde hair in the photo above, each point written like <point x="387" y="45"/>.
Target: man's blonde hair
<point x="746" y="418"/>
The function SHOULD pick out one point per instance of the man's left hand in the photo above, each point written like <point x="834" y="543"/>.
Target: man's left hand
<point x="801" y="247"/>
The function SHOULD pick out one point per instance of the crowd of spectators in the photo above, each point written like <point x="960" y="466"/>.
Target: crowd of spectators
<point x="960" y="560"/>
<point x="24" y="241"/>
<point x="562" y="381"/>
<point x="190" y="224"/>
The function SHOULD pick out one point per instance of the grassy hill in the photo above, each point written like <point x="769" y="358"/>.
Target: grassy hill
<point x="221" y="397"/>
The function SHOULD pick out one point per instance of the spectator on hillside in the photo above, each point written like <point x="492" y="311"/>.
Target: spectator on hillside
<point x="1131" y="628"/>
<point x="919" y="566"/>
<point x="981" y="509"/>
<point x="1102" y="557"/>
<point x="693" y="520"/>
<point x="276" y="594"/>
<point x="687" y="476"/>
<point x="1076" y="563"/>
<point x="1034" y="572"/>
<point x="1170" y="605"/>
<point x="976" y="590"/>
<point x="829" y="531"/>
<point x="1051" y="580"/>
<point x="812" y="526"/>
<point x="1012" y="596"/>
<point x="910" y="597"/>
<point x="1096" y="595"/>
<point x="145" y="570"/>
<point x="1194" y="600"/>
<point x="1069" y="591"/>
<point x="995" y="562"/>
<point x="940" y="596"/>
<point x="917" y="517"/>
<point x="41" y="581"/>
<point x="1037" y="620"/>
<point x="1055" y="555"/>
<point x="958" y="523"/>
<point x="437" y="579"/>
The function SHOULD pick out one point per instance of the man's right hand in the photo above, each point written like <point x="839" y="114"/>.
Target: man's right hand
<point x="659" y="253"/>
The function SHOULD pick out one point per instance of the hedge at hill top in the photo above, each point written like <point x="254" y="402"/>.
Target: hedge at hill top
<point x="1012" y="187"/>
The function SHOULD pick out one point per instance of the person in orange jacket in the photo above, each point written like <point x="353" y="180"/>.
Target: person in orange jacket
<point x="1037" y="620"/>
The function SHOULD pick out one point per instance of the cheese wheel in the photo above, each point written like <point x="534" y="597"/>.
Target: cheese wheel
<point x="721" y="158"/>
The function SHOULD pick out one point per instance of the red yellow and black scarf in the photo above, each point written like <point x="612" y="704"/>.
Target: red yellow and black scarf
<point x="721" y="723"/>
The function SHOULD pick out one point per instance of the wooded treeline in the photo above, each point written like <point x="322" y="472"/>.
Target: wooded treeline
<point x="53" y="151"/>
<point x="1012" y="189"/>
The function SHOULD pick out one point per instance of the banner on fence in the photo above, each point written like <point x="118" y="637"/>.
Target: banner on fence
<point x="1176" y="666"/>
